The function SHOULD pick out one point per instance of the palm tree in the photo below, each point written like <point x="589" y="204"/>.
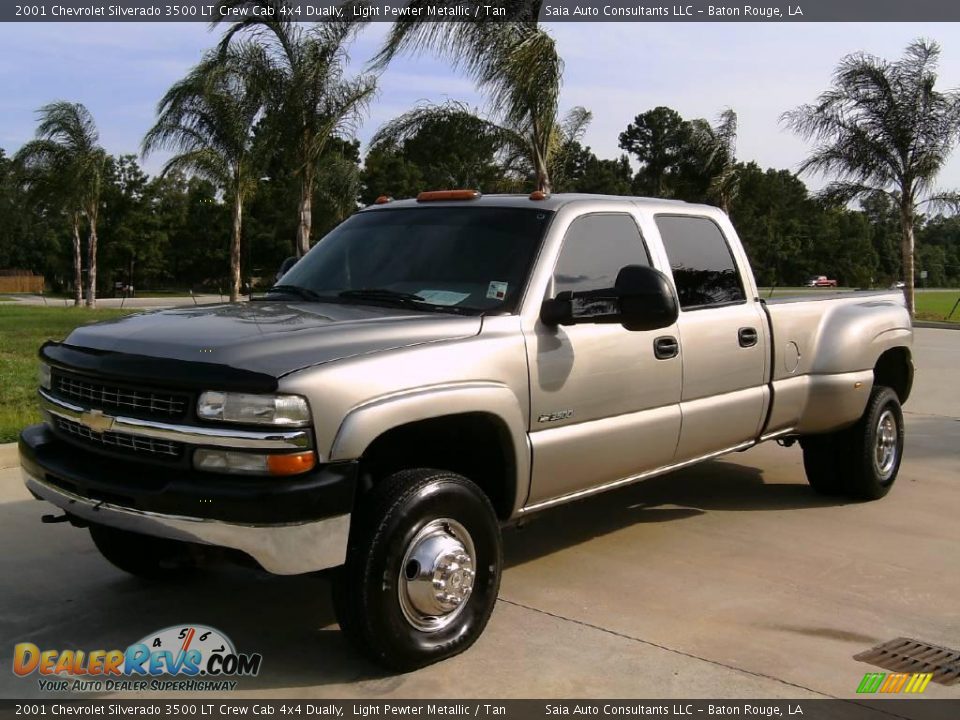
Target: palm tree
<point x="720" y="146"/>
<point x="311" y="99"/>
<point x="516" y="153"/>
<point x="66" y="161"/>
<point x="882" y="127"/>
<point x="209" y="120"/>
<point x="514" y="61"/>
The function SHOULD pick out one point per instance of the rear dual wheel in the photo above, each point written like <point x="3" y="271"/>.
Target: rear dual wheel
<point x="860" y="462"/>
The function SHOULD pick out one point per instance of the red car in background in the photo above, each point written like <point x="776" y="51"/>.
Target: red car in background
<point x="821" y="281"/>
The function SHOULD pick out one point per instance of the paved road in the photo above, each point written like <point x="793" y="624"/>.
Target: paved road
<point x="731" y="579"/>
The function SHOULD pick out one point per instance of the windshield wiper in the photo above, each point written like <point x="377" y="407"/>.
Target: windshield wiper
<point x="305" y="293"/>
<point x="403" y="298"/>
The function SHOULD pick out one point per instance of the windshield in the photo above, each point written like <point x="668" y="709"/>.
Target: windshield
<point x="458" y="258"/>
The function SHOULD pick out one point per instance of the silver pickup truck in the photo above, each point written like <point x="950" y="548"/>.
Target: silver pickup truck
<point x="436" y="368"/>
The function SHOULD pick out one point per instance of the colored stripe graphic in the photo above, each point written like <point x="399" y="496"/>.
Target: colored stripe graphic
<point x="894" y="682"/>
<point x="918" y="683"/>
<point x="871" y="682"/>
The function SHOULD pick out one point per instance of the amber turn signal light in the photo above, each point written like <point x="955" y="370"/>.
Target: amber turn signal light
<point x="432" y="195"/>
<point x="291" y="464"/>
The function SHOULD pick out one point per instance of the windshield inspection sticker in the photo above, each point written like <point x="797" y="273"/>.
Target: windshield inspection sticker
<point x="443" y="297"/>
<point x="497" y="290"/>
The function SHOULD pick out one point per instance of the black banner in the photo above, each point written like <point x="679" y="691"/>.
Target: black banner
<point x="201" y="708"/>
<point x="483" y="10"/>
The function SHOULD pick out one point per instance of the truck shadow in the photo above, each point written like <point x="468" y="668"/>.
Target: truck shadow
<point x="721" y="486"/>
<point x="67" y="596"/>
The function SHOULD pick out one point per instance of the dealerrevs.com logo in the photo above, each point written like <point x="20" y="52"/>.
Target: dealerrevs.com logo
<point x="199" y="657"/>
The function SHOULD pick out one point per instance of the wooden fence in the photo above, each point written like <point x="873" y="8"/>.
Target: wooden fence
<point x="13" y="281"/>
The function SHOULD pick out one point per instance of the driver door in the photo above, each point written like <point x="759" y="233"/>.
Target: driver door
<point x="604" y="406"/>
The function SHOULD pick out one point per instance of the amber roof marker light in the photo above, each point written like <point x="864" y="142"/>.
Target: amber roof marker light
<point x="383" y="200"/>
<point x="539" y="195"/>
<point x="437" y="195"/>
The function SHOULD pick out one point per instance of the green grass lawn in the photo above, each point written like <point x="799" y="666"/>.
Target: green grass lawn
<point x="23" y="329"/>
<point x="935" y="305"/>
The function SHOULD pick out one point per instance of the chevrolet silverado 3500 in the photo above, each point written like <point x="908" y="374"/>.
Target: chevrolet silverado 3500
<point x="436" y="368"/>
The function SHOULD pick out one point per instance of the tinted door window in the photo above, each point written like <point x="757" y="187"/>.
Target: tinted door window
<point x="701" y="261"/>
<point x="594" y="250"/>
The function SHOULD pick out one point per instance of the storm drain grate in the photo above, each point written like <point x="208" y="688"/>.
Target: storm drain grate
<point x="906" y="655"/>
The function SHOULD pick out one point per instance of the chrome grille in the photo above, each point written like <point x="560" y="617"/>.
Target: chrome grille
<point x="122" y="400"/>
<point x="121" y="441"/>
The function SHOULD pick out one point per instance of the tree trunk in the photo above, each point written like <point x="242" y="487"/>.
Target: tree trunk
<point x="906" y="250"/>
<point x="306" y="214"/>
<point x="543" y="175"/>
<point x="77" y="262"/>
<point x="235" y="249"/>
<point x="540" y="153"/>
<point x="92" y="261"/>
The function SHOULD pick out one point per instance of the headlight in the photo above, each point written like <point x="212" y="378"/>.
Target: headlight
<point x="251" y="463"/>
<point x="43" y="375"/>
<point x="289" y="410"/>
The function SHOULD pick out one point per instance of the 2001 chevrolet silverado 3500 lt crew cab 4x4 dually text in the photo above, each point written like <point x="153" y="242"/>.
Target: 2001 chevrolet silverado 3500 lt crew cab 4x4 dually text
<point x="435" y="368"/>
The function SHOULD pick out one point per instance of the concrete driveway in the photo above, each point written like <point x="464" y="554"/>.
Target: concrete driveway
<point x="731" y="579"/>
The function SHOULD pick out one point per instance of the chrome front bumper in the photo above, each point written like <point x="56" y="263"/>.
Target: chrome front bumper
<point x="288" y="549"/>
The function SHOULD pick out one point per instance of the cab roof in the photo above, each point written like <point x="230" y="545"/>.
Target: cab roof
<point x="551" y="202"/>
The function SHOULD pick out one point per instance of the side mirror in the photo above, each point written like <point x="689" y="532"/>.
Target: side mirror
<point x="641" y="299"/>
<point x="285" y="267"/>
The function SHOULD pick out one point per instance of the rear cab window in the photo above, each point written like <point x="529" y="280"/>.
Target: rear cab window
<point x="704" y="270"/>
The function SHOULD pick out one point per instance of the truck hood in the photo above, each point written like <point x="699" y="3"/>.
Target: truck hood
<point x="275" y="338"/>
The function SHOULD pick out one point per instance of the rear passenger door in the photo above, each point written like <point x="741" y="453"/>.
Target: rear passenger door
<point x="603" y="406"/>
<point x="723" y="339"/>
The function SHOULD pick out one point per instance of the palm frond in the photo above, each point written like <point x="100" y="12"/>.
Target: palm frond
<point x="943" y="201"/>
<point x="882" y="123"/>
<point x="841" y="192"/>
<point x="513" y="61"/>
<point x="208" y="119"/>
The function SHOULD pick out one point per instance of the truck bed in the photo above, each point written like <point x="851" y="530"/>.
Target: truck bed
<point x="824" y="349"/>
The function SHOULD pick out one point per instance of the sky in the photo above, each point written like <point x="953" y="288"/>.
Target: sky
<point x="616" y="70"/>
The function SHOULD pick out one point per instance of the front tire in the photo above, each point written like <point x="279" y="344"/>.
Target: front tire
<point x="860" y="462"/>
<point x="422" y="571"/>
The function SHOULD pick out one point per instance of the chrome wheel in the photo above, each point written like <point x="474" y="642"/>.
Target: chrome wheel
<point x="437" y="574"/>
<point x="885" y="449"/>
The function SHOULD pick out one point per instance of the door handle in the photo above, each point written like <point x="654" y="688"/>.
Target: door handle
<point x="665" y="347"/>
<point x="747" y="336"/>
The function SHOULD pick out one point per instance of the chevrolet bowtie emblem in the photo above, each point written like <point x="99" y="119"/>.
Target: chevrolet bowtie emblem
<point x="97" y="421"/>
